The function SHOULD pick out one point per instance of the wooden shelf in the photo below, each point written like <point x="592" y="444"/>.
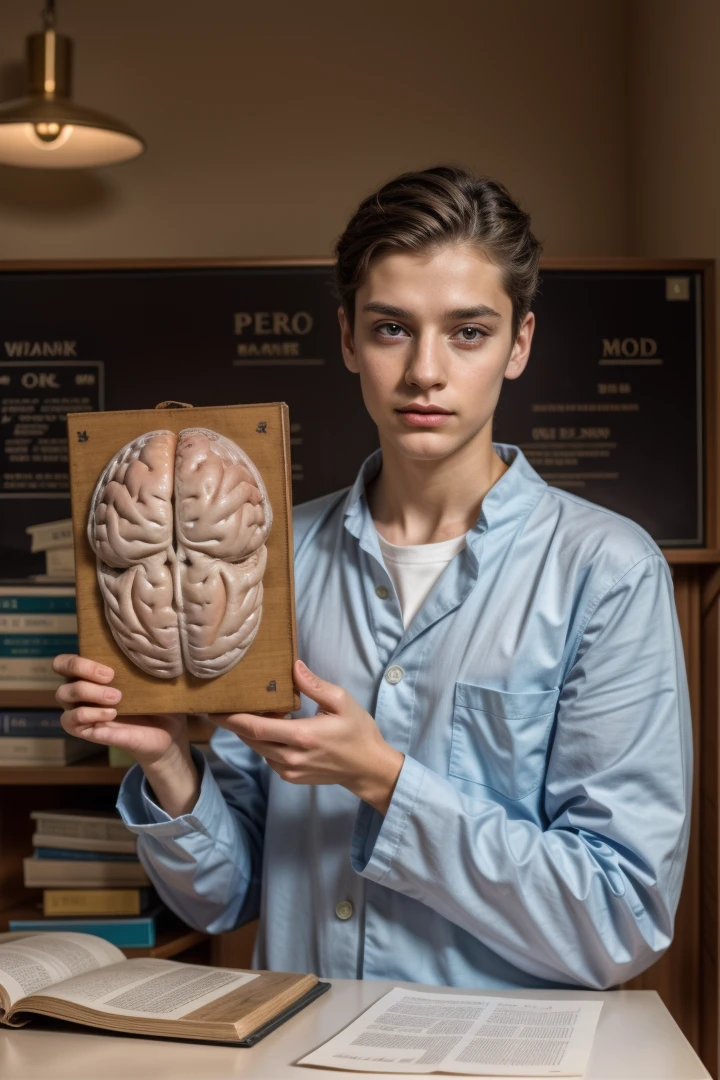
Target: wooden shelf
<point x="169" y="943"/>
<point x="691" y="555"/>
<point x="28" y="699"/>
<point x="46" y="775"/>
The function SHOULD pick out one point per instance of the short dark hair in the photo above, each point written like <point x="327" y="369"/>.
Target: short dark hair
<point x="419" y="211"/>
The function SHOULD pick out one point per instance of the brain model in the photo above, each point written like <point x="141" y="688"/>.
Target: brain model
<point x="178" y="524"/>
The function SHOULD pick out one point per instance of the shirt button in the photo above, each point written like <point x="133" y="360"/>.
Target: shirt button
<point x="344" y="909"/>
<point x="382" y="592"/>
<point x="394" y="674"/>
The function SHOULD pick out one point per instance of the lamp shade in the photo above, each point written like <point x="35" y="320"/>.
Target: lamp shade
<point x="47" y="130"/>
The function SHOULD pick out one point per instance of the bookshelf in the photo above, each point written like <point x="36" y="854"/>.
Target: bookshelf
<point x="97" y="773"/>
<point x="90" y="784"/>
<point x="28" y="699"/>
<point x="169" y="943"/>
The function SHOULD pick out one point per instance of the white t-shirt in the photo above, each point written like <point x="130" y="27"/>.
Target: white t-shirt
<point x="415" y="568"/>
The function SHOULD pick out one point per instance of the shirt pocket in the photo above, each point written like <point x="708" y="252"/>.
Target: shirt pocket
<point x="500" y="738"/>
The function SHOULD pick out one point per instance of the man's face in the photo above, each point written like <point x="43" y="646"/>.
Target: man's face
<point x="432" y="344"/>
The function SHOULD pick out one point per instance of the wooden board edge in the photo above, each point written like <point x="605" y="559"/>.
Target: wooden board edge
<point x="230" y="262"/>
<point x="711" y="410"/>
<point x="285" y="415"/>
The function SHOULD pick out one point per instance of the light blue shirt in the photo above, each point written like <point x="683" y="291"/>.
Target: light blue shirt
<point x="538" y="831"/>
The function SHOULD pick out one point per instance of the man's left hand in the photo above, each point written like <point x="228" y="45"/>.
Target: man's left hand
<point x="341" y="744"/>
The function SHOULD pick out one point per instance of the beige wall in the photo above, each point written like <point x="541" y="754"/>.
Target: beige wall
<point x="266" y="123"/>
<point x="675" y="156"/>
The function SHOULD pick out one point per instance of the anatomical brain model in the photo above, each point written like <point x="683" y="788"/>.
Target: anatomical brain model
<point x="178" y="524"/>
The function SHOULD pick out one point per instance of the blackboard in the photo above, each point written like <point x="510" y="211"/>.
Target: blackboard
<point x="609" y="407"/>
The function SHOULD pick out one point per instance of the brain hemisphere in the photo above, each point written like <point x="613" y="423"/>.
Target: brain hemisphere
<point x="221" y="508"/>
<point x="132" y="517"/>
<point x="178" y="525"/>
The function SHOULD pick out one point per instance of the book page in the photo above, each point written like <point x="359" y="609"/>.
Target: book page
<point x="31" y="962"/>
<point x="155" y="989"/>
<point x="15" y="935"/>
<point x="411" y="1031"/>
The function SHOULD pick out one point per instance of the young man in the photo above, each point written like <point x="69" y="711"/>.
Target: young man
<point x="488" y="784"/>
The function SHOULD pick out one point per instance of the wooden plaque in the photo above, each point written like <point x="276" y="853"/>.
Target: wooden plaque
<point x="262" y="680"/>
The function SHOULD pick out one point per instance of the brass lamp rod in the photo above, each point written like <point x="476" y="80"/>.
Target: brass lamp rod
<point x="49" y="59"/>
<point x="48" y="15"/>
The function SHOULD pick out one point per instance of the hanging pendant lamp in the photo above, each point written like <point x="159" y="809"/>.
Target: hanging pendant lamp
<point x="46" y="130"/>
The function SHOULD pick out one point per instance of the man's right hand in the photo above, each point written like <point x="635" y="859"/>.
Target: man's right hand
<point x="88" y="700"/>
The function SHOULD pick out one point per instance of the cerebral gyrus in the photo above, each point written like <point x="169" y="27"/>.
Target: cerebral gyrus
<point x="178" y="524"/>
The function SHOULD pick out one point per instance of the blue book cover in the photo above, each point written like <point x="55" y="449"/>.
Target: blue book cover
<point x="134" y="933"/>
<point x="34" y="645"/>
<point x="32" y="722"/>
<point x="93" y="856"/>
<point x="35" y="601"/>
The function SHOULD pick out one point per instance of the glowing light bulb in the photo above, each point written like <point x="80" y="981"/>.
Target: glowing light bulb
<point x="48" y="134"/>
<point x="48" y="131"/>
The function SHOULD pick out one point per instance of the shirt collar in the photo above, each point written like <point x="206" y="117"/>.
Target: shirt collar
<point x="511" y="498"/>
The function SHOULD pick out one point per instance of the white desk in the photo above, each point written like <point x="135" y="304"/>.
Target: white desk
<point x="636" y="1039"/>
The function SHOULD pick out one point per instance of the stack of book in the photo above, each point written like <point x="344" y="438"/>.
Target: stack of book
<point x="36" y="737"/>
<point x="36" y="623"/>
<point x="55" y="539"/>
<point x="92" y="880"/>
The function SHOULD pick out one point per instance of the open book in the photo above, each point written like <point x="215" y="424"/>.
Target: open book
<point x="85" y="979"/>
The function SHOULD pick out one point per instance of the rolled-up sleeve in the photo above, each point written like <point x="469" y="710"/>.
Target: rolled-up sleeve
<point x="589" y="899"/>
<point x="206" y="864"/>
